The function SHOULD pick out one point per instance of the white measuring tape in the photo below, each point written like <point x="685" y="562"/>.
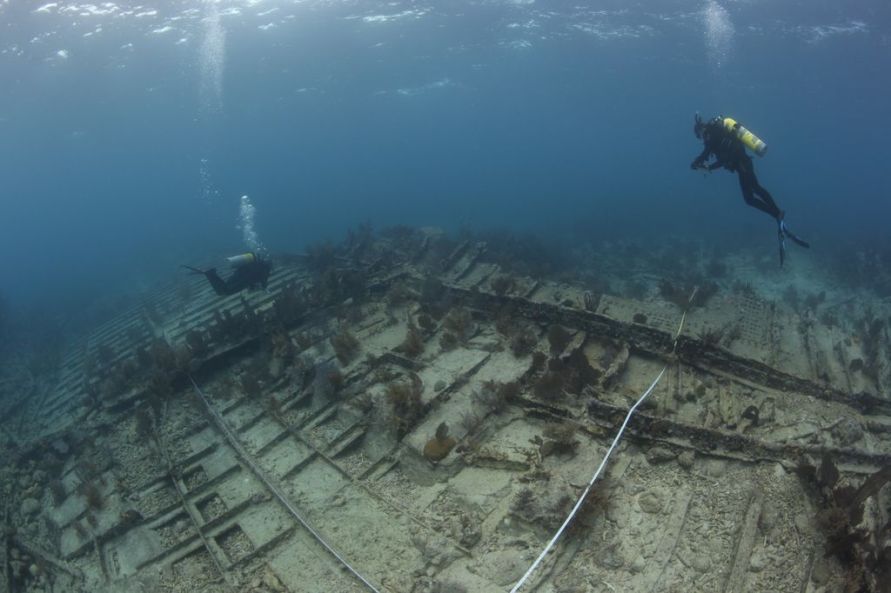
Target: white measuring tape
<point x="609" y="452"/>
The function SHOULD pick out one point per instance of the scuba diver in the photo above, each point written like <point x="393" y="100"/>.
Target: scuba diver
<point x="727" y="140"/>
<point x="251" y="271"/>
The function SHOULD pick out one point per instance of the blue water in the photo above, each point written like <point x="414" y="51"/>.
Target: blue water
<point x="128" y="133"/>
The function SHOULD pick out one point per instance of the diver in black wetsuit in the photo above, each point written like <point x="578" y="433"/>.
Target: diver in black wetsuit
<point x="251" y="271"/>
<point x="730" y="153"/>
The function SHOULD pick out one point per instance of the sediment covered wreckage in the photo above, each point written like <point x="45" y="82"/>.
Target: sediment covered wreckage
<point x="432" y="418"/>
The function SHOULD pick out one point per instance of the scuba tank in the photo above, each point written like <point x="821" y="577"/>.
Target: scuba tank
<point x="237" y="261"/>
<point x="752" y="142"/>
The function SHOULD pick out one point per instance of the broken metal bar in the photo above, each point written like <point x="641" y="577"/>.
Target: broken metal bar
<point x="745" y="543"/>
<point x="6" y="583"/>
<point x="48" y="558"/>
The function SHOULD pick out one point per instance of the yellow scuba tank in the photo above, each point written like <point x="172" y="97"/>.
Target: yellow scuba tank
<point x="753" y="142"/>
<point x="236" y="261"/>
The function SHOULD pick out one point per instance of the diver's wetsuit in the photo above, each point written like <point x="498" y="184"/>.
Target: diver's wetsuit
<point x="252" y="275"/>
<point x="730" y="153"/>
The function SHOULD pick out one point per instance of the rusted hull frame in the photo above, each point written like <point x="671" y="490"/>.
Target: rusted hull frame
<point x="659" y="344"/>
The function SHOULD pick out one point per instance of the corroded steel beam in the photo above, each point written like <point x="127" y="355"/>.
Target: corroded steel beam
<point x="660" y="344"/>
<point x="705" y="440"/>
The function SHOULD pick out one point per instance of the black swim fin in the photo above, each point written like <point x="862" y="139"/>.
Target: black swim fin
<point x="195" y="270"/>
<point x="798" y="240"/>
<point x="782" y="247"/>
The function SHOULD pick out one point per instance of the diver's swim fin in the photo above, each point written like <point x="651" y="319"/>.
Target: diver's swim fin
<point x="798" y="240"/>
<point x="194" y="270"/>
<point x="782" y="239"/>
<point x="784" y="232"/>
